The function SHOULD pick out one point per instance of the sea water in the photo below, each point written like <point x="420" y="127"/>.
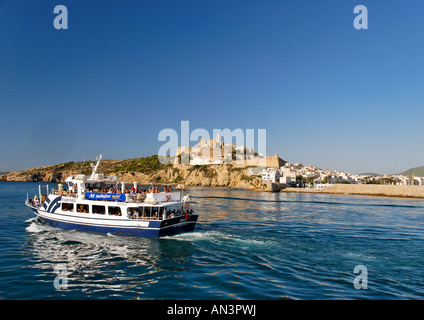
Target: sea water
<point x="246" y="245"/>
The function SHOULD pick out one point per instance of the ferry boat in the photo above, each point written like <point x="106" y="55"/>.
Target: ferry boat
<point x="104" y="205"/>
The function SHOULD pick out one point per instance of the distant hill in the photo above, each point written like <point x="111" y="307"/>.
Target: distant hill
<point x="3" y="172"/>
<point x="373" y="174"/>
<point x="413" y="172"/>
<point x="416" y="172"/>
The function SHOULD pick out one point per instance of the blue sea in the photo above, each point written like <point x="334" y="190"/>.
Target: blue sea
<point x="246" y="245"/>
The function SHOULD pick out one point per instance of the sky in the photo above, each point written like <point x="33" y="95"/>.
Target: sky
<point x="326" y="93"/>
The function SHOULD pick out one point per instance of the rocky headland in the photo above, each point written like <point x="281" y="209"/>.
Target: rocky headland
<point x="147" y="170"/>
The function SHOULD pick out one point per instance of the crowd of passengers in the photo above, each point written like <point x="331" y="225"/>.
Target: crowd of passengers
<point x="136" y="214"/>
<point x="132" y="191"/>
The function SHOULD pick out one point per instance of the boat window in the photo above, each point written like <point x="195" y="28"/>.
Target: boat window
<point x="173" y="207"/>
<point x="173" y="210"/>
<point x="99" y="209"/>
<point x="155" y="212"/>
<point x="67" y="207"/>
<point x="82" y="208"/>
<point x="160" y="212"/>
<point x="134" y="213"/>
<point x="115" y="211"/>
<point x="147" y="212"/>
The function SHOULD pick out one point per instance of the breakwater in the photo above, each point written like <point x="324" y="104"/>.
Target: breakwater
<point x="367" y="189"/>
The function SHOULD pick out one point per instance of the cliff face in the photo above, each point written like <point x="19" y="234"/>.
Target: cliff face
<point x="205" y="175"/>
<point x="210" y="175"/>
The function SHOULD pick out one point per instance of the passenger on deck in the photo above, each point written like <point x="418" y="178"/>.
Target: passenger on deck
<point x="36" y="202"/>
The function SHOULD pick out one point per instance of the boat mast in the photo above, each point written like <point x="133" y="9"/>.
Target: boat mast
<point x="96" y="166"/>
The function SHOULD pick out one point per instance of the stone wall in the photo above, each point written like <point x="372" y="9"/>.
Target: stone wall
<point x="368" y="189"/>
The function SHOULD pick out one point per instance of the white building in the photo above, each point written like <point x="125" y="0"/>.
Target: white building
<point x="272" y="174"/>
<point x="419" y="181"/>
<point x="287" y="181"/>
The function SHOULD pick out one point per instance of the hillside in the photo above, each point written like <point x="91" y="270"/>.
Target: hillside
<point x="414" y="172"/>
<point x="146" y="170"/>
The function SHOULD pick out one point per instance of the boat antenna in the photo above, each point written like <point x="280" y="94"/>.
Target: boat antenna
<point x="104" y="151"/>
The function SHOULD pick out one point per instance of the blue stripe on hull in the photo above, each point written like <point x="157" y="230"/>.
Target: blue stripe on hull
<point x="54" y="203"/>
<point x="133" y="232"/>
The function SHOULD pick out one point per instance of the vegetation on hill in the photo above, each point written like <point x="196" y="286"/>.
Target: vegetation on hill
<point x="144" y="165"/>
<point x="414" y="172"/>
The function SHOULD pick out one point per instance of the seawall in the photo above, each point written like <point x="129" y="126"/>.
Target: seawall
<point x="367" y="189"/>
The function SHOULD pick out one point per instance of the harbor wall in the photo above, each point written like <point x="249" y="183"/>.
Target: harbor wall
<point x="367" y="189"/>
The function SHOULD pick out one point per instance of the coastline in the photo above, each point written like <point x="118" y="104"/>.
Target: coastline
<point x="389" y="191"/>
<point x="416" y="192"/>
<point x="226" y="176"/>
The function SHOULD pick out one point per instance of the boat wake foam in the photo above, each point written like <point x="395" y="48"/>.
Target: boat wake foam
<point x="220" y="238"/>
<point x="34" y="228"/>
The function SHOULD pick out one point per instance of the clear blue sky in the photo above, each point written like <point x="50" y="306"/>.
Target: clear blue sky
<point x="326" y="93"/>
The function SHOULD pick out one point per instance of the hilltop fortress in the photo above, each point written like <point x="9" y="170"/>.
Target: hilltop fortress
<point x="215" y="151"/>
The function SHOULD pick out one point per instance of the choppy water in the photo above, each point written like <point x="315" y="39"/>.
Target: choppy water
<point x="247" y="245"/>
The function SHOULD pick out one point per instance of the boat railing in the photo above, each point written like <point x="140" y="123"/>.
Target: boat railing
<point x="129" y="197"/>
<point x="156" y="217"/>
<point x="65" y="193"/>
